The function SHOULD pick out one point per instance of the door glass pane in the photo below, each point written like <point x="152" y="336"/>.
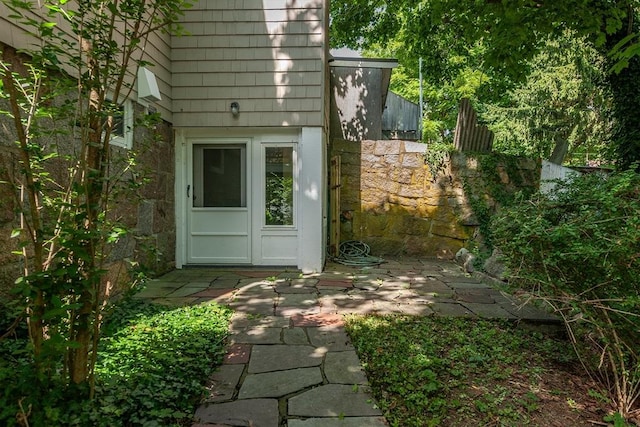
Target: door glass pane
<point x="220" y="181"/>
<point x="279" y="185"/>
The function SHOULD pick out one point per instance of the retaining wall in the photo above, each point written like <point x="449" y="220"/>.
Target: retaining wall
<point x="391" y="201"/>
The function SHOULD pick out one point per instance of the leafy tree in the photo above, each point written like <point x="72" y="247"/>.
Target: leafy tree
<point x="561" y="111"/>
<point x="497" y="40"/>
<point x="64" y="96"/>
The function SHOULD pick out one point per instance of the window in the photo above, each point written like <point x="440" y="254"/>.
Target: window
<point x="122" y="132"/>
<point x="219" y="176"/>
<point x="279" y="185"/>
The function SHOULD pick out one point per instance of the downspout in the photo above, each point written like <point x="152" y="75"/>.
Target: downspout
<point x="421" y="102"/>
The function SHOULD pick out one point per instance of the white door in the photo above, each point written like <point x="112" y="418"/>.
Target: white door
<point x="218" y="202"/>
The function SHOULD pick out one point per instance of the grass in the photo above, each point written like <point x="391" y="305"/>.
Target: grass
<point x="432" y="371"/>
<point x="152" y="367"/>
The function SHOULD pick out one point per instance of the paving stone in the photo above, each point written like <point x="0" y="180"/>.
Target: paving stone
<point x="395" y="284"/>
<point x="459" y="278"/>
<point x="298" y="300"/>
<point x="467" y="285"/>
<point x="343" y="304"/>
<point x="293" y="311"/>
<point x="347" y="284"/>
<point x="306" y="281"/>
<point x="401" y="296"/>
<point x="431" y="286"/>
<point x="280" y="383"/>
<point x="330" y="338"/>
<point x="295" y="336"/>
<point x="343" y="367"/>
<point x="241" y="321"/>
<point x="238" y="354"/>
<point x="215" y="293"/>
<point x="290" y="288"/>
<point x="367" y="285"/>
<point x="182" y="292"/>
<point x="318" y="320"/>
<point x="200" y="284"/>
<point x="254" y="304"/>
<point x="450" y="310"/>
<point x="245" y="412"/>
<point x="251" y="286"/>
<point x="258" y="274"/>
<point x="258" y="336"/>
<point x="267" y="358"/>
<point x="339" y="422"/>
<point x="475" y="296"/>
<point x="222" y="384"/>
<point x="224" y="283"/>
<point x="223" y="274"/>
<point x="385" y="307"/>
<point x="332" y="272"/>
<point x="333" y="400"/>
<point x="489" y="311"/>
<point x="416" y="309"/>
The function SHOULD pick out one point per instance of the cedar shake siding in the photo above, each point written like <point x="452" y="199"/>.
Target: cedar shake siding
<point x="267" y="55"/>
<point x="157" y="52"/>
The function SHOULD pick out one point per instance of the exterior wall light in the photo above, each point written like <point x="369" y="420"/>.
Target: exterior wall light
<point x="235" y="108"/>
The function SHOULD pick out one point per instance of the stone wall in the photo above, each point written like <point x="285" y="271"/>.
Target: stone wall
<point x="391" y="201"/>
<point x="149" y="214"/>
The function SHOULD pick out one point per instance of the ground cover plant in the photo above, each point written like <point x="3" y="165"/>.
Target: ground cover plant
<point x="435" y="371"/>
<point x="152" y="367"/>
<point x="578" y="250"/>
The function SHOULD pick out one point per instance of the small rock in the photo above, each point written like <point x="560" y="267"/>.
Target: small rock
<point x="465" y="259"/>
<point x="494" y="265"/>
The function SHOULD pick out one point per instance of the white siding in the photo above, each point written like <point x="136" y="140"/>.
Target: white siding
<point x="268" y="55"/>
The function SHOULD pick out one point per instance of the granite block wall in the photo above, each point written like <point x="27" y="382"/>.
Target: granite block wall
<point x="391" y="200"/>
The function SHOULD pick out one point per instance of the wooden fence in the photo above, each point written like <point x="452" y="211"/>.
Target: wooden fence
<point x="469" y="136"/>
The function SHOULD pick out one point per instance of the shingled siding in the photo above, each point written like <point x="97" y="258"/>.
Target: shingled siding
<point x="267" y="55"/>
<point x="157" y="53"/>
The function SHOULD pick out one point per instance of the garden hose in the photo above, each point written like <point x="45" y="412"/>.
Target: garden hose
<point x="356" y="253"/>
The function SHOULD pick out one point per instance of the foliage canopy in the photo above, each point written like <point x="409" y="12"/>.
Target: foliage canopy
<point x="489" y="50"/>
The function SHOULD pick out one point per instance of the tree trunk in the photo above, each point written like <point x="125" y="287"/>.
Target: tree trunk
<point x="559" y="150"/>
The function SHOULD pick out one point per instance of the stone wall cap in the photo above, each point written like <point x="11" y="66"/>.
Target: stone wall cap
<point x="415" y="147"/>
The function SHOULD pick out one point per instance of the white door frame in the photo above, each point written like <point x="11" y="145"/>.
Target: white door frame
<point x="311" y="191"/>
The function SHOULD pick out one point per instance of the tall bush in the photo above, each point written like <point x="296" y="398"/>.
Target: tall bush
<point x="63" y="98"/>
<point x="579" y="251"/>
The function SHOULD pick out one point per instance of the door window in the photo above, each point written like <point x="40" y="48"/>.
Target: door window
<point x="279" y="185"/>
<point x="219" y="176"/>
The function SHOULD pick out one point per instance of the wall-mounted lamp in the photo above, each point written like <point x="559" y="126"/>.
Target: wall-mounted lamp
<point x="235" y="108"/>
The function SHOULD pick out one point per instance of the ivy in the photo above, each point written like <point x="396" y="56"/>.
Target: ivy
<point x="488" y="194"/>
<point x="152" y="364"/>
<point x="437" y="157"/>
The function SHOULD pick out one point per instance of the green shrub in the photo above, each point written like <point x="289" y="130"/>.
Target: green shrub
<point x="579" y="250"/>
<point x="151" y="369"/>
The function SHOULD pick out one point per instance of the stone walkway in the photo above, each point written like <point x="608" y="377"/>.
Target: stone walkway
<point x="289" y="360"/>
